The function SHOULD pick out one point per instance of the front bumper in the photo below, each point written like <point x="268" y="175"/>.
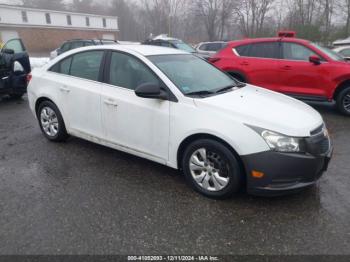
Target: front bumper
<point x="283" y="173"/>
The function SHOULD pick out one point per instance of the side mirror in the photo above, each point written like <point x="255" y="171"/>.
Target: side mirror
<point x="315" y="60"/>
<point x="151" y="91"/>
<point x="8" y="51"/>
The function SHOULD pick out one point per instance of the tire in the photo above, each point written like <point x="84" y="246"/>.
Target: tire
<point x="220" y="171"/>
<point x="16" y="96"/>
<point x="343" y="101"/>
<point x="54" y="129"/>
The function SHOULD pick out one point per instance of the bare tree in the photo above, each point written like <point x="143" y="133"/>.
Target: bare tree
<point x="252" y="15"/>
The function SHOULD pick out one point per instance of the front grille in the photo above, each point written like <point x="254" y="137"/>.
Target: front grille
<point x="318" y="144"/>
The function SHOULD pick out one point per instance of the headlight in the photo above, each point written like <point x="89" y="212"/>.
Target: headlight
<point x="281" y="143"/>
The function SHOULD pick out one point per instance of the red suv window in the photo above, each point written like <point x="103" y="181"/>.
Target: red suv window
<point x="260" y="50"/>
<point x="293" y="51"/>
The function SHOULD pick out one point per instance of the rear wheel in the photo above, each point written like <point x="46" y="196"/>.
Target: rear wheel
<point x="343" y="101"/>
<point x="51" y="122"/>
<point x="212" y="169"/>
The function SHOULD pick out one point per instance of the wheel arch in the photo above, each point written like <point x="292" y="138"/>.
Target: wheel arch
<point x="190" y="139"/>
<point x="40" y="100"/>
<point x="341" y="87"/>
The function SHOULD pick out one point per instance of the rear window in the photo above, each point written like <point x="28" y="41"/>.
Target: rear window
<point x="215" y="46"/>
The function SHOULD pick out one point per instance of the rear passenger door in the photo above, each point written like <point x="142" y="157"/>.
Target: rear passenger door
<point x="78" y="86"/>
<point x="259" y="63"/>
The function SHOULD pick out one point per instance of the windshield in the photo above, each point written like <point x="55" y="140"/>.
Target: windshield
<point x="192" y="74"/>
<point x="183" y="46"/>
<point x="333" y="55"/>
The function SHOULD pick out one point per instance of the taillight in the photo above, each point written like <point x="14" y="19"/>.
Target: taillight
<point x="213" y="60"/>
<point x="29" y="77"/>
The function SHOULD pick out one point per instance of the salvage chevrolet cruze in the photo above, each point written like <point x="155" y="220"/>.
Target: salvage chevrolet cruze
<point x="176" y="109"/>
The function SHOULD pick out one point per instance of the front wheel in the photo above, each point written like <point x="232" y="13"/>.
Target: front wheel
<point x="212" y="169"/>
<point x="343" y="101"/>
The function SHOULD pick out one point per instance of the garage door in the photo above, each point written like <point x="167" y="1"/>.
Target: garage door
<point x="8" y="35"/>
<point x="109" y="37"/>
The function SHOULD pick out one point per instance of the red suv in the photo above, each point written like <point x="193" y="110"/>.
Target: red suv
<point x="291" y="66"/>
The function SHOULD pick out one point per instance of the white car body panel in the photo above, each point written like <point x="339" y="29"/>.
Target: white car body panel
<point x="154" y="129"/>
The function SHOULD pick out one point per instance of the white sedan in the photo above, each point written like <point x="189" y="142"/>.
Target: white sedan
<point x="174" y="108"/>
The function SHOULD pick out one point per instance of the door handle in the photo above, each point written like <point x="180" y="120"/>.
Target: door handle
<point x="287" y="67"/>
<point x="109" y="102"/>
<point x="65" y="89"/>
<point x="244" y="63"/>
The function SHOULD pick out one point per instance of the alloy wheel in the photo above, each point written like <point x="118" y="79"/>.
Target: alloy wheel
<point x="346" y="102"/>
<point x="49" y="121"/>
<point x="209" y="170"/>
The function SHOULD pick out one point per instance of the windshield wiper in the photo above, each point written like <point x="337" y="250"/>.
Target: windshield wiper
<point x="228" y="88"/>
<point x="241" y="84"/>
<point x="200" y="93"/>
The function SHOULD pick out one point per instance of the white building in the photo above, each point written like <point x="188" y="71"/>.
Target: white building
<point x="44" y="30"/>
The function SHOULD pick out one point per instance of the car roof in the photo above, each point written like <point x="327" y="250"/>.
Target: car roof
<point x="145" y="50"/>
<point x="271" y="39"/>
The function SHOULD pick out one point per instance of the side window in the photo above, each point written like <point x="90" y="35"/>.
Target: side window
<point x="88" y="43"/>
<point x="203" y="47"/>
<point x="165" y="44"/>
<point x="297" y="52"/>
<point x="62" y="67"/>
<point x="260" y="50"/>
<point x="65" y="47"/>
<point x="65" y="66"/>
<point x="76" y="44"/>
<point x="15" y="45"/>
<point x="128" y="72"/>
<point x="345" y="52"/>
<point x="87" y="65"/>
<point x="214" y="47"/>
<point x="242" y="50"/>
<point x="264" y="50"/>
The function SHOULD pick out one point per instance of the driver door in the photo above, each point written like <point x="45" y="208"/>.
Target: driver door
<point x="298" y="76"/>
<point x="136" y="124"/>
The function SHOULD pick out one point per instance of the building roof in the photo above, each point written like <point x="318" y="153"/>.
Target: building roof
<point x="25" y="8"/>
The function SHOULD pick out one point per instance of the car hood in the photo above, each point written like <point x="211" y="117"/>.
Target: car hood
<point x="260" y="107"/>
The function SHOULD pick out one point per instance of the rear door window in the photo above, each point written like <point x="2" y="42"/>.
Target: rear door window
<point x="65" y="47"/>
<point x="77" y="44"/>
<point x="87" y="65"/>
<point x="203" y="47"/>
<point x="260" y="50"/>
<point x="62" y="67"/>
